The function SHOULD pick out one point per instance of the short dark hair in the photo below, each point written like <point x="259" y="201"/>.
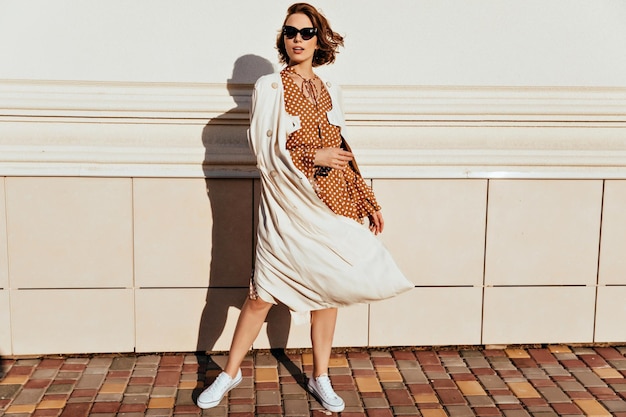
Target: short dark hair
<point x="327" y="41"/>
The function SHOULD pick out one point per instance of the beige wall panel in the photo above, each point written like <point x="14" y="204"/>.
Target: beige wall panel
<point x="611" y="314"/>
<point x="352" y="326"/>
<point x="69" y="232"/>
<point x="72" y="321"/>
<point x="192" y="232"/>
<point x="428" y="316"/>
<point x="5" y="324"/>
<point x="435" y="228"/>
<point x="538" y="315"/>
<point x="186" y="319"/>
<point x="281" y="331"/>
<point x="543" y="232"/>
<point x="612" y="246"/>
<point x="4" y="261"/>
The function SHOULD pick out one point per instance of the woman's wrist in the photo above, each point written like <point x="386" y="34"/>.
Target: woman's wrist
<point x="314" y="156"/>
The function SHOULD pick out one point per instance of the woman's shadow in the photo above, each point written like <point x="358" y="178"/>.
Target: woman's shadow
<point x="234" y="207"/>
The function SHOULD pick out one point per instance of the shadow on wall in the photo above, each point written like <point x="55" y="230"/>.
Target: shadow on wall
<point x="234" y="224"/>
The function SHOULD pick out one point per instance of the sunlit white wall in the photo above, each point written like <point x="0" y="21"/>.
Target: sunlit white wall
<point x="493" y="131"/>
<point x="404" y="42"/>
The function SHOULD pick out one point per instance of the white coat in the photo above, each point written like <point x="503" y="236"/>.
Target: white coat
<point x="308" y="257"/>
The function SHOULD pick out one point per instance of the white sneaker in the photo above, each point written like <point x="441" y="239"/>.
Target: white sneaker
<point x="212" y="396"/>
<point x="323" y="391"/>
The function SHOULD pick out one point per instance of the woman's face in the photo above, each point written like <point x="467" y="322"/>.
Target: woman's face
<point x="298" y="49"/>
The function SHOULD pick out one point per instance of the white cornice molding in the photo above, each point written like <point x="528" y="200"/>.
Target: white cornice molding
<point x="74" y="128"/>
<point x="369" y="103"/>
<point x="459" y="103"/>
<point x="122" y="100"/>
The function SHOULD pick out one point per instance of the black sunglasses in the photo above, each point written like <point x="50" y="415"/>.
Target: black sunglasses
<point x="307" y="33"/>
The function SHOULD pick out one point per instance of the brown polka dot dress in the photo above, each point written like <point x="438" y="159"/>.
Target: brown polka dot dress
<point x="343" y="191"/>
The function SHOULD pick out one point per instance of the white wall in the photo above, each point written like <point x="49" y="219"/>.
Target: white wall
<point x="494" y="133"/>
<point x="402" y="42"/>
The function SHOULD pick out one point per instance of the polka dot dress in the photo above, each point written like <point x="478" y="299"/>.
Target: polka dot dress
<point x="343" y="191"/>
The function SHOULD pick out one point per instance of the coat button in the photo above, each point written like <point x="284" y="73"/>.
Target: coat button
<point x="274" y="85"/>
<point x="269" y="133"/>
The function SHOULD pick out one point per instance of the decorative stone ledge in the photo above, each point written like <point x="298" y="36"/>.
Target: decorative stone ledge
<point x="73" y="128"/>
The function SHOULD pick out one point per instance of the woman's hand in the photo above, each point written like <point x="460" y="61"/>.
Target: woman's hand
<point x="335" y="158"/>
<point x="377" y="224"/>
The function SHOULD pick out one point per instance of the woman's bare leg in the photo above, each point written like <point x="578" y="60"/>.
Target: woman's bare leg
<point x="251" y="318"/>
<point x="322" y="332"/>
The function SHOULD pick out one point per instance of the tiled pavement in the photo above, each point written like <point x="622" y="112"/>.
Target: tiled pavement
<point x="515" y="382"/>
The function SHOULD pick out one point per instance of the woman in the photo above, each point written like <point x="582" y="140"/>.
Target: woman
<point x="313" y="254"/>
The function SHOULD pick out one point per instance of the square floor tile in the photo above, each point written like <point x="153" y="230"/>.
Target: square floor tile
<point x="4" y="260"/>
<point x="69" y="232"/>
<point x="543" y="232"/>
<point x="611" y="314"/>
<point x="186" y="319"/>
<point x="5" y="324"/>
<point x="538" y="315"/>
<point x="72" y="321"/>
<point x="281" y="330"/>
<point x="428" y="316"/>
<point x="193" y="232"/>
<point x="435" y="229"/>
<point x="612" y="248"/>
